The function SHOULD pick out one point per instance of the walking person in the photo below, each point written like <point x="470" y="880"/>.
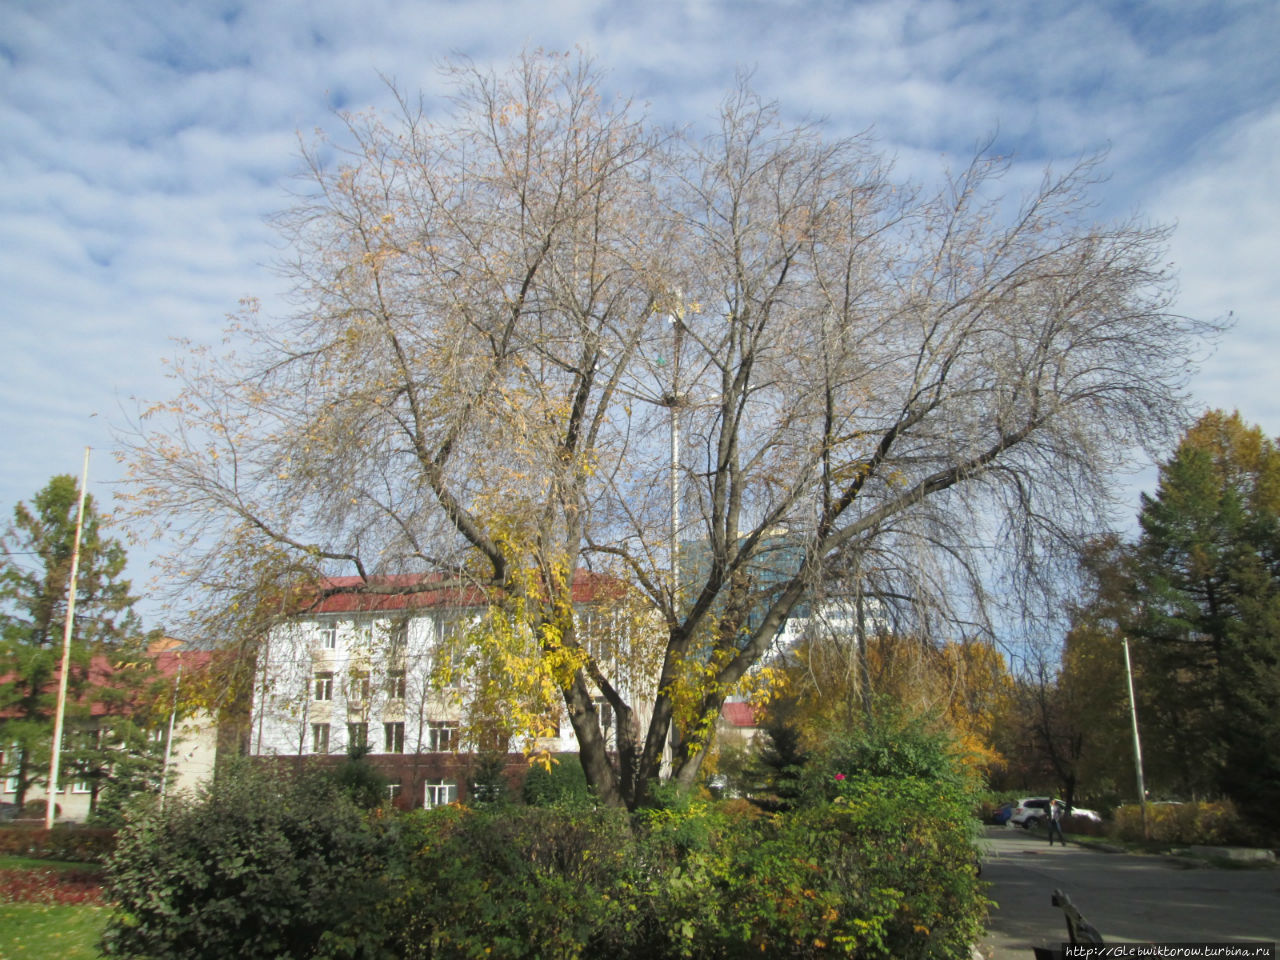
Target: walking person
<point x="1056" y="811"/>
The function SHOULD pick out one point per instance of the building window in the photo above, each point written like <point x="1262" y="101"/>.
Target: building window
<point x="394" y="789"/>
<point x="12" y="757"/>
<point x="359" y="689"/>
<point x="329" y="637"/>
<point x="439" y="793"/>
<point x="357" y="735"/>
<point x="324" y="686"/>
<point x="393" y="737"/>
<point x="448" y="660"/>
<point x="10" y="782"/>
<point x="395" y="684"/>
<point x="604" y="710"/>
<point x="442" y="737"/>
<point x="319" y="738"/>
<point x="81" y="786"/>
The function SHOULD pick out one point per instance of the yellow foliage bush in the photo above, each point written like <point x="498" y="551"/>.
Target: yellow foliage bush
<point x="1207" y="822"/>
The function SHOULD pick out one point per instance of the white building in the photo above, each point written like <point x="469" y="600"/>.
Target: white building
<point x="391" y="671"/>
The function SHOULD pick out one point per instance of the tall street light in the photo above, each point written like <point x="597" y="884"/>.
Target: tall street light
<point x="1137" y="744"/>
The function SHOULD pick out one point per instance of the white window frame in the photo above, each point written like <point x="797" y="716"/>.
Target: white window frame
<point x="328" y="634"/>
<point x="320" y="739"/>
<point x="442" y="736"/>
<point x="393" y="736"/>
<point x="359" y="687"/>
<point x="10" y="784"/>
<point x="439" y="793"/>
<point x="322" y="686"/>
<point x="396" y="683"/>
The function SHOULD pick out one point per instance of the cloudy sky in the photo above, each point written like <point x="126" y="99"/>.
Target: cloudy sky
<point x="143" y="145"/>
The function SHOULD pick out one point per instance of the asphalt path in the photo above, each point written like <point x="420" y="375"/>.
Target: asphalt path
<point x="1127" y="897"/>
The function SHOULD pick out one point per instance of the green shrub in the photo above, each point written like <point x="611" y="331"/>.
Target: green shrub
<point x="255" y="867"/>
<point x="508" y="882"/>
<point x="1182" y="823"/>
<point x="893" y="745"/>
<point x="682" y="866"/>
<point x="884" y="870"/>
<point x="563" y="782"/>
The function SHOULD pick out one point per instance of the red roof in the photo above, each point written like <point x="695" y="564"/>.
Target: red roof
<point x="162" y="661"/>
<point x="358" y="595"/>
<point x="741" y="714"/>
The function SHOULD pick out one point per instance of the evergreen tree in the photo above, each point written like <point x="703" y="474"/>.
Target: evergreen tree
<point x="35" y="566"/>
<point x="1207" y="585"/>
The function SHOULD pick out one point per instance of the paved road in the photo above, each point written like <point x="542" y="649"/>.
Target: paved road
<point x="1127" y="897"/>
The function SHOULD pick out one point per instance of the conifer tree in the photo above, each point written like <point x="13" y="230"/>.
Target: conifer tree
<point x="35" y="568"/>
<point x="1207" y="583"/>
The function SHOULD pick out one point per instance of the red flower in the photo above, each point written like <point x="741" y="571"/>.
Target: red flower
<point x="839" y="776"/>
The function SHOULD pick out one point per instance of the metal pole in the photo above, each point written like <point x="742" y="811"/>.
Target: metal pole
<point x="1137" y="744"/>
<point x="675" y="502"/>
<point x="677" y="336"/>
<point x="55" y="755"/>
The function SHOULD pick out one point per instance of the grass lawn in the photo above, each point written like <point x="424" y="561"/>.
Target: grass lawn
<point x="65" y="931"/>
<point x="8" y="862"/>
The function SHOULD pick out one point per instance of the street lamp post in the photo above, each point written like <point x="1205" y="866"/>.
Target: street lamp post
<point x="1137" y="744"/>
<point x="55" y="754"/>
<point x="673" y="404"/>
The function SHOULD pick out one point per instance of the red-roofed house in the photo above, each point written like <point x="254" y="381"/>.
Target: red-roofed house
<point x="190" y="741"/>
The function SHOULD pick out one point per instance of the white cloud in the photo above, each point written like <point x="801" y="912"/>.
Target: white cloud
<point x="1227" y="209"/>
<point x="144" y="145"/>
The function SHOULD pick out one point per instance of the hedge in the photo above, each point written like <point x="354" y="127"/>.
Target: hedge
<point x="72" y="843"/>
<point x="1214" y="822"/>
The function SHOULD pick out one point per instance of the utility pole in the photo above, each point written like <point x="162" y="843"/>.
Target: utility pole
<point x="1137" y="744"/>
<point x="55" y="755"/>
<point x="673" y="404"/>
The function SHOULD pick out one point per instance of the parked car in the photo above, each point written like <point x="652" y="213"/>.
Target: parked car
<point x="1086" y="814"/>
<point x="1003" y="813"/>
<point x="1029" y="812"/>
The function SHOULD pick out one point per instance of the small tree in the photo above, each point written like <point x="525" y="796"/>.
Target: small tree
<point x="360" y="780"/>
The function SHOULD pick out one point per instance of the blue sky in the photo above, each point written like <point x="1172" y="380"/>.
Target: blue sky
<point x="144" y="144"/>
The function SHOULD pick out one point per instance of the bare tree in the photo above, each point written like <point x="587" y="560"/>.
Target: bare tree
<point x="508" y="315"/>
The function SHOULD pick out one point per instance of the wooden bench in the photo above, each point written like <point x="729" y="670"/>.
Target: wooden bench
<point x="1079" y="930"/>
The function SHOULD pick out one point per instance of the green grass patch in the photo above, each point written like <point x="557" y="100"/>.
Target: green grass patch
<point x="66" y="931"/>
<point x="35" y="863"/>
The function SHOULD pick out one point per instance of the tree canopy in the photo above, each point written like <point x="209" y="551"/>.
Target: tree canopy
<point x="738" y="371"/>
